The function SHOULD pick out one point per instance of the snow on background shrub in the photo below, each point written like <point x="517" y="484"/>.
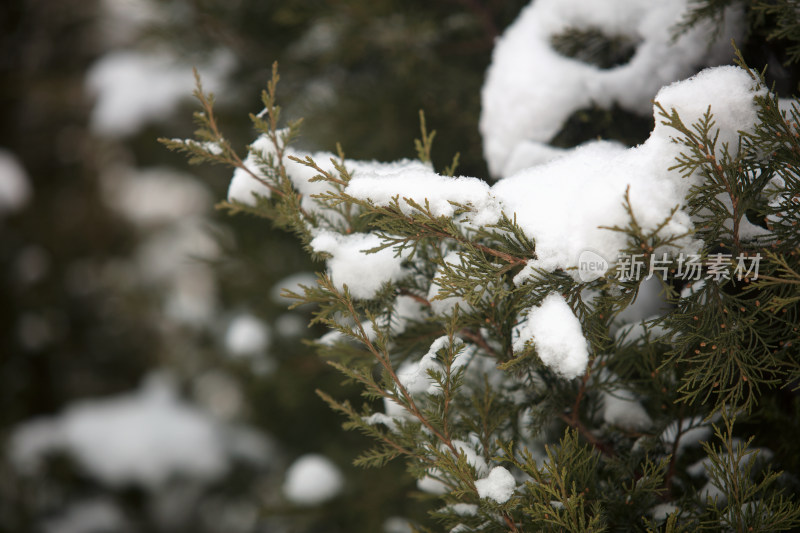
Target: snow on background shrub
<point x="531" y="89"/>
<point x="159" y="432"/>
<point x="15" y="187"/>
<point x="134" y="88"/>
<point x="311" y="480"/>
<point x="145" y="438"/>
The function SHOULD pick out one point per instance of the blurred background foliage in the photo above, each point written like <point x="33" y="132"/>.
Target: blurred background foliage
<point x="88" y="310"/>
<point x="93" y="297"/>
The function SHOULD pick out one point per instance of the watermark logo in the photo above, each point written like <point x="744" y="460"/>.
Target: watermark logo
<point x="690" y="267"/>
<point x="591" y="266"/>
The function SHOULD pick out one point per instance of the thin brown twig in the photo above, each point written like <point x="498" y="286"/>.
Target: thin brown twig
<point x="575" y="423"/>
<point x="416" y="297"/>
<point x="412" y="406"/>
<point x="478" y="339"/>
<point x="673" y="456"/>
<point x="485" y="249"/>
<point x="510" y="523"/>
<point x="573" y="418"/>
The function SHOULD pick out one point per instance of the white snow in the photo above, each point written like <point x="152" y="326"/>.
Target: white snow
<point x="472" y="457"/>
<point x="406" y="309"/>
<point x="565" y="206"/>
<point x="531" y="90"/>
<point x="661" y="511"/>
<point x="311" y="480"/>
<point x="301" y="175"/>
<point x="693" y="431"/>
<point x="637" y="332"/>
<point x="246" y="186"/>
<point x="431" y="484"/>
<point x="562" y="204"/>
<point x="122" y="21"/>
<point x="88" y="516"/>
<point x="414" y="375"/>
<point x="247" y="335"/>
<point x="650" y="302"/>
<point x="464" y="509"/>
<point x="499" y="485"/>
<point x="243" y="185"/>
<point x="144" y="438"/>
<point x="529" y="153"/>
<point x="191" y="298"/>
<point x="622" y="408"/>
<point x="362" y="273"/>
<point x="728" y="90"/>
<point x="420" y="185"/>
<point x="152" y="196"/>
<point x="396" y="524"/>
<point x="392" y="412"/>
<point x="171" y="259"/>
<point x="322" y="36"/>
<point x="556" y="332"/>
<point x="15" y="186"/>
<point x="133" y="88"/>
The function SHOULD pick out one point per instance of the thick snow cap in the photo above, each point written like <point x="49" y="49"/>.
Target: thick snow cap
<point x="531" y="89"/>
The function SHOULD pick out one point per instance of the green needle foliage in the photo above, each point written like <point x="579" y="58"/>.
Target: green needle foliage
<point x="776" y="20"/>
<point x="717" y="374"/>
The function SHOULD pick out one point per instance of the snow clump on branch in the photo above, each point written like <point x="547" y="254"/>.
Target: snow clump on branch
<point x="531" y="89"/>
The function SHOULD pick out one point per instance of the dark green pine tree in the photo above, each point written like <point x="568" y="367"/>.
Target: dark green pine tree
<point x="499" y="437"/>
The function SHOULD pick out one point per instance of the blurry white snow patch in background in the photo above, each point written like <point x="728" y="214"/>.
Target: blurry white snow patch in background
<point x="247" y="336"/>
<point x="661" y="511"/>
<point x="290" y="325"/>
<point x="622" y="408"/>
<point x="651" y="301"/>
<point x="173" y="258"/>
<point x="312" y="479"/>
<point x="396" y="524"/>
<point x="323" y="35"/>
<point x="122" y="21"/>
<point x="218" y="393"/>
<point x="133" y="88"/>
<point x="144" y="438"/>
<point x="151" y="196"/>
<point x="88" y="516"/>
<point x="15" y="187"/>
